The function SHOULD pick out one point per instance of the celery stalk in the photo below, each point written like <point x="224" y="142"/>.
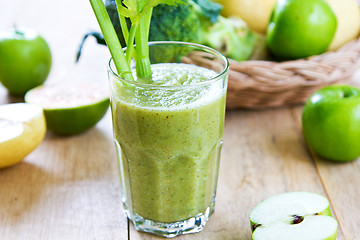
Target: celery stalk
<point x="139" y="12"/>
<point x="124" y="28"/>
<point x="123" y="24"/>
<point x="111" y="39"/>
<point x="143" y="70"/>
<point x="130" y="43"/>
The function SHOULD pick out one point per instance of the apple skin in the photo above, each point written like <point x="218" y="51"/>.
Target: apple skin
<point x="300" y="28"/>
<point x="25" y="60"/>
<point x="331" y="122"/>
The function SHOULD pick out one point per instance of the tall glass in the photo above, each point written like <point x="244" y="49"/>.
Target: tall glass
<point x="168" y="136"/>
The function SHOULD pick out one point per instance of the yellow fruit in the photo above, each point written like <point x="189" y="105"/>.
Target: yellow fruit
<point x="256" y="13"/>
<point x="348" y="16"/>
<point x="22" y="129"/>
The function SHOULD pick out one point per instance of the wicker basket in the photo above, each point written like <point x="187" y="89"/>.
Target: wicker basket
<point x="266" y="84"/>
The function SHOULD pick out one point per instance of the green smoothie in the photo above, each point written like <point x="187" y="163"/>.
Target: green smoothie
<point x="169" y="142"/>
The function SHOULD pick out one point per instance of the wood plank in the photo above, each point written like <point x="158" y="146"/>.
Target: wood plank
<point x="68" y="188"/>
<point x="341" y="182"/>
<point x="262" y="156"/>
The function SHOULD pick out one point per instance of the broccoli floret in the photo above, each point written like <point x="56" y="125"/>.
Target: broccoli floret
<point x="184" y="22"/>
<point x="174" y="23"/>
<point x="196" y="21"/>
<point x="231" y="37"/>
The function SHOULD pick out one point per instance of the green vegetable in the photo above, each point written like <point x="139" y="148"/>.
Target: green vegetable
<point x="139" y="13"/>
<point x="110" y="37"/>
<point x="231" y="37"/>
<point x="174" y="23"/>
<point x="199" y="21"/>
<point x="195" y="21"/>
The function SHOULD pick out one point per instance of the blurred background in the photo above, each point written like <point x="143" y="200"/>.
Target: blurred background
<point x="63" y="25"/>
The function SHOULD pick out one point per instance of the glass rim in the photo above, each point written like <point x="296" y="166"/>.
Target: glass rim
<point x="208" y="81"/>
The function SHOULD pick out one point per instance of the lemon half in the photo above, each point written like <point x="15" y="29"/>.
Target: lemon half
<point x="22" y="129"/>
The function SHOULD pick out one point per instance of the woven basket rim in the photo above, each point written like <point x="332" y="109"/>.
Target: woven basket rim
<point x="261" y="84"/>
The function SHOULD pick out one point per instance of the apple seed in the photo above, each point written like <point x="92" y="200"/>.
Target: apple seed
<point x="297" y="219"/>
<point x="253" y="227"/>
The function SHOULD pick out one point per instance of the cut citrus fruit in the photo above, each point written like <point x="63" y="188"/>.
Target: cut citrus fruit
<point x="70" y="108"/>
<point x="22" y="129"/>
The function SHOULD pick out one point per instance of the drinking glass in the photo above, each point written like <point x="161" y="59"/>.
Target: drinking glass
<point x="168" y="135"/>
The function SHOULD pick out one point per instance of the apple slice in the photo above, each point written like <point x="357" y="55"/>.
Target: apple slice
<point x="295" y="216"/>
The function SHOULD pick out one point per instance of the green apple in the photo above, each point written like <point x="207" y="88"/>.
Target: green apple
<point x="331" y="122"/>
<point x="295" y="216"/>
<point x="25" y="60"/>
<point x="300" y="28"/>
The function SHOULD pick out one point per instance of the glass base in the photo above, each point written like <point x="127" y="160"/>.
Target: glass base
<point x="170" y="230"/>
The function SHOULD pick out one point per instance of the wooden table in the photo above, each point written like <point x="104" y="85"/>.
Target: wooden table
<point x="68" y="188"/>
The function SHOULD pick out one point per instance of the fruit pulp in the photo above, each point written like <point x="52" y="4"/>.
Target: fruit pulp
<point x="169" y="141"/>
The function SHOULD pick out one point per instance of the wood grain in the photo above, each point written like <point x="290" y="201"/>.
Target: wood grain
<point x="341" y="181"/>
<point x="68" y="188"/>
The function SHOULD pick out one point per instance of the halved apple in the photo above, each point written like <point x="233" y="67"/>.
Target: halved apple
<point x="295" y="216"/>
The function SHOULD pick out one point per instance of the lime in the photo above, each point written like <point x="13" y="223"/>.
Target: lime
<point x="70" y="108"/>
<point x="22" y="128"/>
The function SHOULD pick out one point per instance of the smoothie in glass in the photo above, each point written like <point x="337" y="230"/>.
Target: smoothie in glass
<point x="168" y="136"/>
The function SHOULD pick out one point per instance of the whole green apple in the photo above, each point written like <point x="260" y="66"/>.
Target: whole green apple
<point x="300" y="28"/>
<point x="331" y="122"/>
<point x="25" y="60"/>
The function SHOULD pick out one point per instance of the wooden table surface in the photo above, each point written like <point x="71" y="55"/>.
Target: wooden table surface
<point x="68" y="188"/>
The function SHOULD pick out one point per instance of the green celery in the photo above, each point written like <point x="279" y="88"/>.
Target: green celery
<point x="111" y="39"/>
<point x="139" y="12"/>
<point x="123" y="24"/>
<point x="143" y="70"/>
